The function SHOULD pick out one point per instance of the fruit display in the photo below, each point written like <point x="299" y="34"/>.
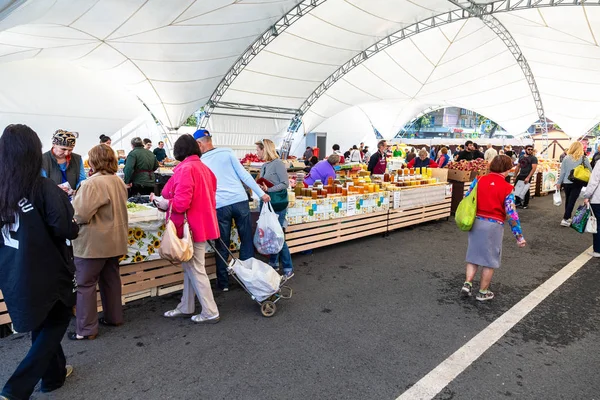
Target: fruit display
<point x="250" y="158"/>
<point x="479" y="165"/>
<point x="133" y="207"/>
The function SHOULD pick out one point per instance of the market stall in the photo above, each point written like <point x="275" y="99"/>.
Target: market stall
<point x="546" y="176"/>
<point x="352" y="206"/>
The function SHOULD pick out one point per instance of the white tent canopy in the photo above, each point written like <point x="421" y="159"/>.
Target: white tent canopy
<point x="387" y="60"/>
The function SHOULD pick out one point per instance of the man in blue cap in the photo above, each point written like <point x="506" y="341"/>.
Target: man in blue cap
<point x="232" y="200"/>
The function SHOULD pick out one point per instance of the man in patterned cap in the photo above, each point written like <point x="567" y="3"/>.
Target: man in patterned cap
<point x="62" y="165"/>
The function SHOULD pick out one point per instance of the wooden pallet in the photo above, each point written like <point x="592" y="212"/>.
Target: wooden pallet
<point x="4" y="317"/>
<point x="313" y="235"/>
<point x="403" y="218"/>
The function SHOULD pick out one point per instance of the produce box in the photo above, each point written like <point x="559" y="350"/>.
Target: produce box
<point x="440" y="173"/>
<point x="461" y="176"/>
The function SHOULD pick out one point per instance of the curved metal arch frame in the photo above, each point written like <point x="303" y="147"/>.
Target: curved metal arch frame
<point x="297" y="12"/>
<point x="467" y="10"/>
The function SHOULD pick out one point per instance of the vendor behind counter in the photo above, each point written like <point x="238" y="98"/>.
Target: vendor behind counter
<point x="139" y="169"/>
<point x="323" y="170"/>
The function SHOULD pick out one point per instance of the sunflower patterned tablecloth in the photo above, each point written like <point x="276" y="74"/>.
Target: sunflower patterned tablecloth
<point x="145" y="233"/>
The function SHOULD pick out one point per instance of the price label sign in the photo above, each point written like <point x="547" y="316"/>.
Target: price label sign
<point x="351" y="206"/>
<point x="396" y="199"/>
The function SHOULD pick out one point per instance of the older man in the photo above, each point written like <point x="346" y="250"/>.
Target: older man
<point x="232" y="201"/>
<point x="490" y="153"/>
<point x="61" y="165"/>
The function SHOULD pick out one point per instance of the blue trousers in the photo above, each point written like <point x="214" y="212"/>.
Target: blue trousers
<point x="240" y="213"/>
<point x="284" y="255"/>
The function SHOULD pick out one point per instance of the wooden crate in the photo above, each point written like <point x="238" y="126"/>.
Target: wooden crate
<point x="414" y="216"/>
<point x="4" y="317"/>
<point x="324" y="233"/>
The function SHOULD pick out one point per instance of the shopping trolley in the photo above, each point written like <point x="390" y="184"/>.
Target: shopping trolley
<point x="266" y="300"/>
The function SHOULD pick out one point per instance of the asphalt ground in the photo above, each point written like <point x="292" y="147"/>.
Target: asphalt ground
<point x="367" y="320"/>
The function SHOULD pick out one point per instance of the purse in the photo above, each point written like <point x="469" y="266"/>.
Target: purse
<point x="592" y="224"/>
<point x="279" y="200"/>
<point x="173" y="248"/>
<point x="580" y="174"/>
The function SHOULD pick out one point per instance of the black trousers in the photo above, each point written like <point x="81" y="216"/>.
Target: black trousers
<point x="572" y="192"/>
<point x="45" y="359"/>
<point x="523" y="202"/>
<point x="141" y="190"/>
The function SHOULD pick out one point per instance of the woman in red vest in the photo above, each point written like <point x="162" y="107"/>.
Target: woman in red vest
<point x="495" y="202"/>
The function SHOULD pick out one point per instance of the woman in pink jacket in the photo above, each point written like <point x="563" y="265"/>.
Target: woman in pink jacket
<point x="192" y="190"/>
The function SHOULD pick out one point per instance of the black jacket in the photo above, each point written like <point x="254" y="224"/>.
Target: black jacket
<point x="36" y="257"/>
<point x="466" y="155"/>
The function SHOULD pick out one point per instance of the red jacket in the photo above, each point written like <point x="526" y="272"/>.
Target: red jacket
<point x="492" y="190"/>
<point x="192" y="189"/>
<point x="432" y="164"/>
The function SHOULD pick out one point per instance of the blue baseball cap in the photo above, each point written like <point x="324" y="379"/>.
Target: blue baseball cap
<point x="200" y="133"/>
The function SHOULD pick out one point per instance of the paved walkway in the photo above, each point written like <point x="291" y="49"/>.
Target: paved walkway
<point x="368" y="320"/>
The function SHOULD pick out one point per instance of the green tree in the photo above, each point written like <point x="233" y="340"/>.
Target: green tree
<point x="422" y="121"/>
<point x="191" y="121"/>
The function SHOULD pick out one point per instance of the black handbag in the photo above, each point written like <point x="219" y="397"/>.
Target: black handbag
<point x="279" y="200"/>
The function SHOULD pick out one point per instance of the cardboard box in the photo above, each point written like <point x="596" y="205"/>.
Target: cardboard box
<point x="461" y="176"/>
<point x="440" y="173"/>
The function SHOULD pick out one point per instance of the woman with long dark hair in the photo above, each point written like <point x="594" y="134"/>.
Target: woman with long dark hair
<point x="36" y="261"/>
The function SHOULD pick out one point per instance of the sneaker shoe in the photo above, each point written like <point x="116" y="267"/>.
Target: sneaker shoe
<point x="288" y="275"/>
<point x="565" y="222"/>
<point x="484" y="296"/>
<point x="69" y="370"/>
<point x="525" y="207"/>
<point x="174" y="314"/>
<point x="199" y="319"/>
<point x="467" y="290"/>
<point x="595" y="255"/>
<point x="225" y="289"/>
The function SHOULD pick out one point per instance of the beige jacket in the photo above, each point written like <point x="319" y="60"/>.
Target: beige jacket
<point x="101" y="211"/>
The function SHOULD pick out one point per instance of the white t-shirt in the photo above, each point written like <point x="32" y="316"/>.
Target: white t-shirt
<point x="355" y="156"/>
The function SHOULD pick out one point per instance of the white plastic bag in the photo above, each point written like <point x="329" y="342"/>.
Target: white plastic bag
<point x="269" y="237"/>
<point x="582" y="193"/>
<point x="556" y="198"/>
<point x="261" y="280"/>
<point x="521" y="189"/>
<point x="592" y="224"/>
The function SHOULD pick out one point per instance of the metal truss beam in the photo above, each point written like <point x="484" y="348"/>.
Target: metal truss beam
<point x="254" y="108"/>
<point x="479" y="11"/>
<point x="466" y="10"/>
<point x="259" y="44"/>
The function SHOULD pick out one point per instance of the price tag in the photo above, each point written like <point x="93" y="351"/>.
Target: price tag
<point x="448" y="190"/>
<point x="396" y="199"/>
<point x="351" y="206"/>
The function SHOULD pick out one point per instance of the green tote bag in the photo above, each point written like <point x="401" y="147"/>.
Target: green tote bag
<point x="466" y="211"/>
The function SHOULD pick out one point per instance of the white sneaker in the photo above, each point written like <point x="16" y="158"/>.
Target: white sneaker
<point x="595" y="255"/>
<point x="199" y="319"/>
<point x="565" y="222"/>
<point x="174" y="314"/>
